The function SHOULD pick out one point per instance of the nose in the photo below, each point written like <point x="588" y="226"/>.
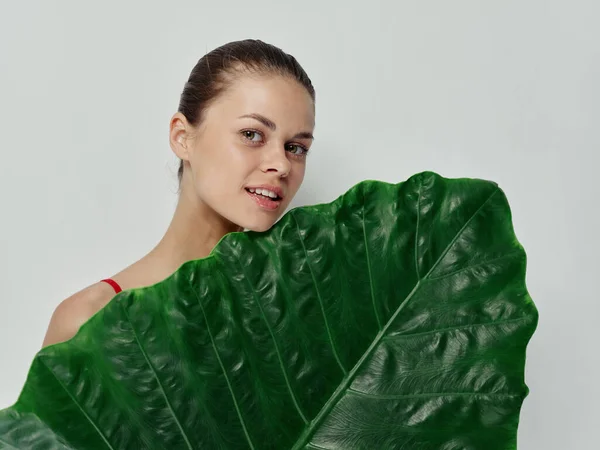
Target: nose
<point x="276" y="160"/>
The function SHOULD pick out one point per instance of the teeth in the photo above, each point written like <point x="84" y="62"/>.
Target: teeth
<point x="264" y="192"/>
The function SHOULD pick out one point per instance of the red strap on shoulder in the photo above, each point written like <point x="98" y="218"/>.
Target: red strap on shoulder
<point x="114" y="284"/>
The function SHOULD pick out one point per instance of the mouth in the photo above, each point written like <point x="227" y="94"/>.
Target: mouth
<point x="264" y="199"/>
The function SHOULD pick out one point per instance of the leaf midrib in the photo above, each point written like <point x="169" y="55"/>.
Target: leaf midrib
<point x="334" y="398"/>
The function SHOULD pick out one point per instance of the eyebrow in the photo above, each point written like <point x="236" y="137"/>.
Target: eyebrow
<point x="271" y="125"/>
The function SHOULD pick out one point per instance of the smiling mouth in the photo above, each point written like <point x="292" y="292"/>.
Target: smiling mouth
<point x="265" y="201"/>
<point x="276" y="198"/>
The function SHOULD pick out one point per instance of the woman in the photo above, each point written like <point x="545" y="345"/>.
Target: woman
<point x="242" y="132"/>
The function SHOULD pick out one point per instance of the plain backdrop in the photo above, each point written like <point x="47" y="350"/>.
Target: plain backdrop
<point x="503" y="90"/>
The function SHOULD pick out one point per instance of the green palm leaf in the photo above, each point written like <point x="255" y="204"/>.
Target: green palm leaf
<point x="395" y="317"/>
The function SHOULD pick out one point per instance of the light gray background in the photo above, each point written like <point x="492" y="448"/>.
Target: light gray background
<point x="502" y="90"/>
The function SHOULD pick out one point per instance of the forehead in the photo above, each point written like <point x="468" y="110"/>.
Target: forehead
<point x="277" y="97"/>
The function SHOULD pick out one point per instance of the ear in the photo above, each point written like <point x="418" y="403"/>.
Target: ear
<point x="179" y="133"/>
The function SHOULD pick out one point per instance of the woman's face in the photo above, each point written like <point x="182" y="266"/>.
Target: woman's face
<point x="254" y="136"/>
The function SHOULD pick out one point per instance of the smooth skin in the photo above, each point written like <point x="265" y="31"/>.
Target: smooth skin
<point x="222" y="156"/>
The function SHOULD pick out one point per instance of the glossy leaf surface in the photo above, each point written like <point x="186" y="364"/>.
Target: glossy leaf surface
<point x="395" y="317"/>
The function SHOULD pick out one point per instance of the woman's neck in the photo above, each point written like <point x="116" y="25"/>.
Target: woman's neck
<point x="192" y="234"/>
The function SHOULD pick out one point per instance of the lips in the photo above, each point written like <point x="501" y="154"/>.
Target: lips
<point x="264" y="202"/>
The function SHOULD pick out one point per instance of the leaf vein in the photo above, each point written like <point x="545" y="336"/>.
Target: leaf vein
<point x="104" y="438"/>
<point x="369" y="264"/>
<point x="230" y="387"/>
<point x="461" y="327"/>
<point x="156" y="377"/>
<point x="2" y="441"/>
<point x="429" y="394"/>
<point x="417" y="234"/>
<point x="312" y="446"/>
<point x="279" y="357"/>
<point x="333" y="347"/>
<point x="449" y="246"/>
<point x="472" y="266"/>
<point x="337" y="394"/>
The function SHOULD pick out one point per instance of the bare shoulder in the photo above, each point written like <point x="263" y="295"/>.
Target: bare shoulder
<point x="74" y="311"/>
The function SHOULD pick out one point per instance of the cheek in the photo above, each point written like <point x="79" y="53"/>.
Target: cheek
<point x="299" y="173"/>
<point x="219" y="162"/>
<point x="296" y="178"/>
<point x="222" y="172"/>
<point x="240" y="158"/>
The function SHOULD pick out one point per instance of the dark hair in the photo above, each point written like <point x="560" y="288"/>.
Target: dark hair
<point x="209" y="77"/>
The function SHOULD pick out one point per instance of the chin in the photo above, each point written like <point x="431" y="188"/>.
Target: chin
<point x="257" y="224"/>
<point x="258" y="227"/>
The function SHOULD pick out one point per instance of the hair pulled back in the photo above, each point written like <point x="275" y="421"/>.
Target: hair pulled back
<point x="214" y="72"/>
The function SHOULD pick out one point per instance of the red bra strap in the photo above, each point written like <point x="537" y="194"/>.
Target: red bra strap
<point x="114" y="284"/>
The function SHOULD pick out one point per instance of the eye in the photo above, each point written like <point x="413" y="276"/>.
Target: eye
<point x="297" y="149"/>
<point x="251" y="135"/>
